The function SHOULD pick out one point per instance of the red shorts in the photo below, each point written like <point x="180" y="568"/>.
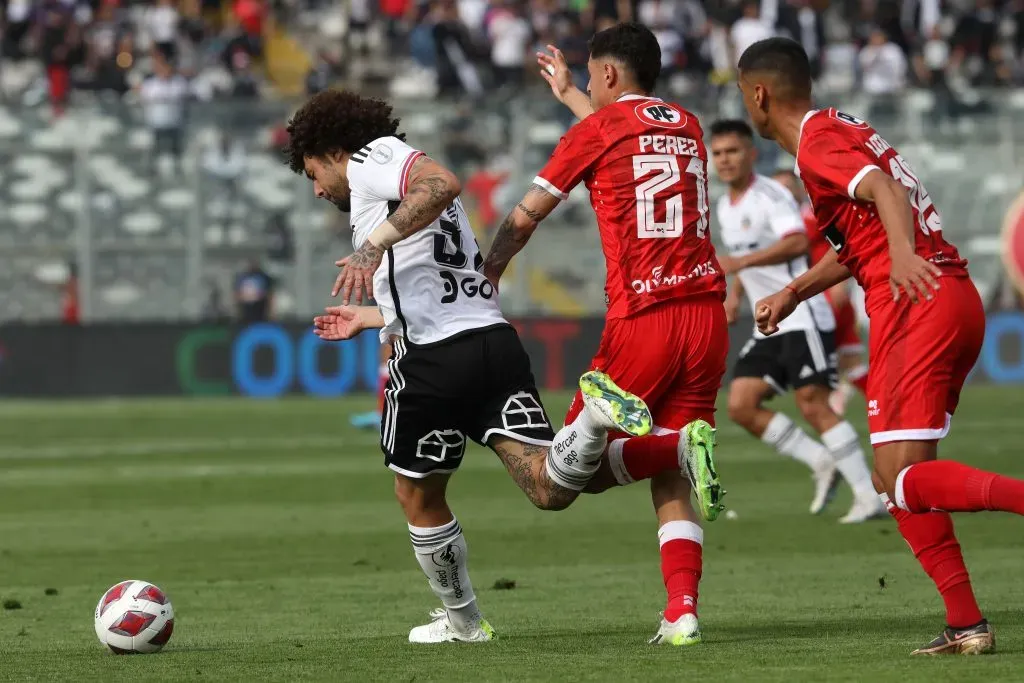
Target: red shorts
<point x="847" y="337"/>
<point x="920" y="356"/>
<point x="672" y="355"/>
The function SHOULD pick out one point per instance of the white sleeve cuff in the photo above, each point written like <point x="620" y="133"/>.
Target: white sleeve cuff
<point x="851" y="189"/>
<point x="551" y="189"/>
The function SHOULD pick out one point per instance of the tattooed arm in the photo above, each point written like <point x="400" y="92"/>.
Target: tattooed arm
<point x="516" y="229"/>
<point x="431" y="188"/>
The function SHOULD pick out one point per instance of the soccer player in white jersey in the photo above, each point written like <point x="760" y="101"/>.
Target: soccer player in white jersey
<point x="765" y="248"/>
<point x="458" y="368"/>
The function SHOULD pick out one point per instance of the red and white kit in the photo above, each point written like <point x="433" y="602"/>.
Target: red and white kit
<point x="666" y="337"/>
<point x="920" y="353"/>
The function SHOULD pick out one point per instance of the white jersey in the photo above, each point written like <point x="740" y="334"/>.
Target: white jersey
<point x="766" y="213"/>
<point x="428" y="286"/>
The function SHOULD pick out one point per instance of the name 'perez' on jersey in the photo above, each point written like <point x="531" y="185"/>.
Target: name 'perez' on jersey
<point x="765" y="214"/>
<point x="428" y="286"/>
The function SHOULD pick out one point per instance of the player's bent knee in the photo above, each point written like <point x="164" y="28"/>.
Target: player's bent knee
<point x="896" y="456"/>
<point x="742" y="409"/>
<point x="814" y="407"/>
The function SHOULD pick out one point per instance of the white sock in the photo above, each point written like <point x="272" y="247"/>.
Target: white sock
<point x="844" y="446"/>
<point x="680" y="530"/>
<point x="618" y="467"/>
<point x="576" y="452"/>
<point x="442" y="553"/>
<point x="789" y="440"/>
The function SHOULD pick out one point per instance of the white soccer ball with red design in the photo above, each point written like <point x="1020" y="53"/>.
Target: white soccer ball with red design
<point x="134" y="617"/>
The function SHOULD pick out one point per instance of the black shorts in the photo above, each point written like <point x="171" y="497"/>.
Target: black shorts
<point x="790" y="360"/>
<point x="476" y="385"/>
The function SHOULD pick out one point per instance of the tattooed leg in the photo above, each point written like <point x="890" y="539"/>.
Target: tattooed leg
<point x="527" y="464"/>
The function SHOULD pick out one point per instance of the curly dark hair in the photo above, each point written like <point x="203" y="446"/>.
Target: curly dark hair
<point x="334" y="120"/>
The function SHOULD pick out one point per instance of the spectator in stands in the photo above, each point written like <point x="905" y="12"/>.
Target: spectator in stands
<point x="883" y="73"/>
<point x="161" y="25"/>
<point x="748" y="29"/>
<point x="798" y="20"/>
<point x="456" y="72"/>
<point x="664" y="17"/>
<point x="163" y="97"/>
<point x="58" y="38"/>
<point x="254" y="294"/>
<point x="18" y="22"/>
<point x="321" y="73"/>
<point x="604" y="14"/>
<point x="510" y="35"/>
<point x="244" y="83"/>
<point x="250" y="15"/>
<point x="977" y="47"/>
<point x="109" y="43"/>
<point x="224" y="162"/>
<point x="932" y="65"/>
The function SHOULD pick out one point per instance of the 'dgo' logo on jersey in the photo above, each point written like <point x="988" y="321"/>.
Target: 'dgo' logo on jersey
<point x="660" y="114"/>
<point x="1013" y="243"/>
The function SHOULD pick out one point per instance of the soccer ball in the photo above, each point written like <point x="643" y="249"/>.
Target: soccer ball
<point x="134" y="617"/>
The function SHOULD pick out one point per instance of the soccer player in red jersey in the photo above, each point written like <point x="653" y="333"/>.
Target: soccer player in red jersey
<point x="666" y="336"/>
<point x="852" y="366"/>
<point x="927" y="320"/>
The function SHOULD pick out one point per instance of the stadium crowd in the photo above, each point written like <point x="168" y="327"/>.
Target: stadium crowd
<point x="51" y="48"/>
<point x="881" y="46"/>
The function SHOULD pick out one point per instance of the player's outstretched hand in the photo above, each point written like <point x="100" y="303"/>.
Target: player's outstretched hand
<point x="339" y="323"/>
<point x="772" y="310"/>
<point x="357" y="273"/>
<point x="913" y="275"/>
<point x="555" y="70"/>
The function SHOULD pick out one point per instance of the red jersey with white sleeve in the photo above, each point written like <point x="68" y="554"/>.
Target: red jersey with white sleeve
<point x="921" y="353"/>
<point x="645" y="164"/>
<point x="836" y="151"/>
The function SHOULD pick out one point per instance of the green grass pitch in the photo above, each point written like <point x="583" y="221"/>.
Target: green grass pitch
<point x="273" y="528"/>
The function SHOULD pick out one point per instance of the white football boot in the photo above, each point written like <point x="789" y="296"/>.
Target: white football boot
<point x="683" y="631"/>
<point x="864" y="509"/>
<point x="441" y="630"/>
<point x="826" y="482"/>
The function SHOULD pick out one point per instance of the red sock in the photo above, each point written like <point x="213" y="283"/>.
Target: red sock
<point x="931" y="538"/>
<point x="955" y="487"/>
<point x="382" y="384"/>
<point x="858" y="377"/>
<point x="681" y="562"/>
<point x="643" y="457"/>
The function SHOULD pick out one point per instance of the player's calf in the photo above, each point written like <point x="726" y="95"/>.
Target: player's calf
<point x="845" y="452"/>
<point x="441" y="551"/>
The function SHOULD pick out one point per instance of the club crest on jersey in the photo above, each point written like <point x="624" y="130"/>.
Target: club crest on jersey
<point x="660" y="114"/>
<point x="382" y="154"/>
<point x="849" y="120"/>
